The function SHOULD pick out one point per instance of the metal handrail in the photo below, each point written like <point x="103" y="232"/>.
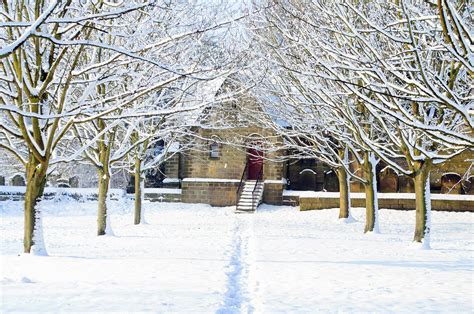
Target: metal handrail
<point x="242" y="180"/>
<point x="259" y="178"/>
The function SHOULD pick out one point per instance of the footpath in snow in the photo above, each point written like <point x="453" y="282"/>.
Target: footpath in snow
<point x="195" y="258"/>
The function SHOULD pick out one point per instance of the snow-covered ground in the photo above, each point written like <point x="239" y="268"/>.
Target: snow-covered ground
<point x="195" y="258"/>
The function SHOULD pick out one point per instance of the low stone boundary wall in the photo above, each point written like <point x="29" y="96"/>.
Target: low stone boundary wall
<point x="403" y="201"/>
<point x="17" y="193"/>
<point x="215" y="192"/>
<point x="162" y="195"/>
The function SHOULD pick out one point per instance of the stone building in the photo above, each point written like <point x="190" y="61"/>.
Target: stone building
<point x="231" y="154"/>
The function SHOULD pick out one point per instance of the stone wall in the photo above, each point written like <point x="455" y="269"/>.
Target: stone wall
<point x="273" y="192"/>
<point x="391" y="202"/>
<point x="172" y="167"/>
<point x="155" y="195"/>
<point x="231" y="161"/>
<point x="461" y="164"/>
<point x="172" y="172"/>
<point x="208" y="191"/>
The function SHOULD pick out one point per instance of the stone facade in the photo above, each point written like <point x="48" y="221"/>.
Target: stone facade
<point x="455" y="176"/>
<point x="172" y="173"/>
<point x="208" y="191"/>
<point x="215" y="178"/>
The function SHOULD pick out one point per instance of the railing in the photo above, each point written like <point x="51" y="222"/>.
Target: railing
<point x="259" y="179"/>
<point x="241" y="181"/>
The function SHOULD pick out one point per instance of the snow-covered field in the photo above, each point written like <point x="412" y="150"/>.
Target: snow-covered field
<point x="195" y="258"/>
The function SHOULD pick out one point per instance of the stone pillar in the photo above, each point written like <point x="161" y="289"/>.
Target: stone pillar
<point x="331" y="183"/>
<point x="172" y="172"/>
<point x="468" y="186"/>
<point x="388" y="181"/>
<point x="406" y="184"/>
<point x="273" y="191"/>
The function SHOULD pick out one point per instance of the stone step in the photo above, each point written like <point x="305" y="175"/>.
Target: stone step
<point x="257" y="189"/>
<point x="248" y="204"/>
<point x="244" y="211"/>
<point x="289" y="203"/>
<point x="249" y="197"/>
<point x="251" y="193"/>
<point x="249" y="200"/>
<point x="245" y="207"/>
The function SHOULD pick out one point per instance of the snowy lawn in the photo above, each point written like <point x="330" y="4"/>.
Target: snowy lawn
<point x="195" y="258"/>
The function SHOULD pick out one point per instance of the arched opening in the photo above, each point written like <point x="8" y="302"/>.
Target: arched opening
<point x="307" y="180"/>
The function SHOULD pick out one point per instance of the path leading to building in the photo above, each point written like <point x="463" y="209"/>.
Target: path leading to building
<point x="195" y="258"/>
<point x="242" y="284"/>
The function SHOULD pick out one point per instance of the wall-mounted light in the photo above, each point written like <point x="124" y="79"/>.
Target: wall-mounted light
<point x="214" y="150"/>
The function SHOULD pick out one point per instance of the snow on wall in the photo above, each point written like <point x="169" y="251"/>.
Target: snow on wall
<point x="312" y="194"/>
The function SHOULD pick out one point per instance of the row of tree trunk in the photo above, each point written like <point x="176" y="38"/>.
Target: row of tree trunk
<point x="422" y="197"/>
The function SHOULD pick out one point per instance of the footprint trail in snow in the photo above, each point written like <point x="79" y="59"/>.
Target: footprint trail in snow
<point x="242" y="285"/>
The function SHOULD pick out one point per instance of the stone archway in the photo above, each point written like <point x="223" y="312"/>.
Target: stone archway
<point x="17" y="180"/>
<point x="451" y="183"/>
<point x="307" y="180"/>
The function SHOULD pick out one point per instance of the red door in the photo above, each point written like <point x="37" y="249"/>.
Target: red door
<point x="255" y="164"/>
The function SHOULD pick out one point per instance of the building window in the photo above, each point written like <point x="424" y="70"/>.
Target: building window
<point x="214" y="152"/>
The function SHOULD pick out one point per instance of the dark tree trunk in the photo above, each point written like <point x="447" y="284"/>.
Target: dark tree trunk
<point x="422" y="202"/>
<point x="104" y="182"/>
<point x="35" y="183"/>
<point x="371" y="201"/>
<point x="344" y="193"/>
<point x="138" y="191"/>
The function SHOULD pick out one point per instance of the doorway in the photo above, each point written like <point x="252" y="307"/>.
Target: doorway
<point x="255" y="164"/>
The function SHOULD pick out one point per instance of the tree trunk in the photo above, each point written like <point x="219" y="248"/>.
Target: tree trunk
<point x="138" y="191"/>
<point x="104" y="181"/>
<point x="344" y="193"/>
<point x="35" y="183"/>
<point x="371" y="201"/>
<point x="423" y="203"/>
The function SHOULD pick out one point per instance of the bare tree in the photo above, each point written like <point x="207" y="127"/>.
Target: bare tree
<point x="405" y="68"/>
<point x="69" y="64"/>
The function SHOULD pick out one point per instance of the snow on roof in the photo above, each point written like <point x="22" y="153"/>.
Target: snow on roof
<point x="202" y="95"/>
<point x="174" y="147"/>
